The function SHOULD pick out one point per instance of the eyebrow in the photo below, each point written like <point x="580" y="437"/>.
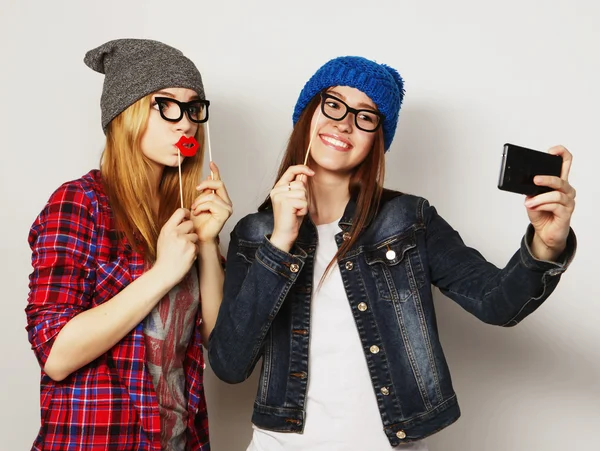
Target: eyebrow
<point x="360" y="105"/>
<point x="168" y="94"/>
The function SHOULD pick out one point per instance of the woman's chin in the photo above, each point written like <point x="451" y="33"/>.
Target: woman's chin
<point x="173" y="162"/>
<point x="331" y="165"/>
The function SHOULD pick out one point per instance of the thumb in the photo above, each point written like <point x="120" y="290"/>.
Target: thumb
<point x="180" y="215"/>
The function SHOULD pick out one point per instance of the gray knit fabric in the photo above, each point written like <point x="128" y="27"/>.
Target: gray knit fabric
<point x="134" y="68"/>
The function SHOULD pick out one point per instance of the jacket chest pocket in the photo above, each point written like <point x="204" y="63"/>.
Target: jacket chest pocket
<point x="396" y="268"/>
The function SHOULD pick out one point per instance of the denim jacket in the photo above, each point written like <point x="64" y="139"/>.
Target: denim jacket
<point x="266" y="310"/>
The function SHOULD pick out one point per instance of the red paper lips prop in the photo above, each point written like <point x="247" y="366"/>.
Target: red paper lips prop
<point x="187" y="146"/>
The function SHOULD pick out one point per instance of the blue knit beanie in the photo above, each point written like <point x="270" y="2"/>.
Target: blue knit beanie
<point x="383" y="84"/>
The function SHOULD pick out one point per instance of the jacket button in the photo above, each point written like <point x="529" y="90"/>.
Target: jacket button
<point x="401" y="434"/>
<point x="294" y="267"/>
<point x="374" y="349"/>
<point x="362" y="306"/>
<point x="385" y="391"/>
<point x="390" y="255"/>
<point x="349" y="266"/>
<point x="346" y="236"/>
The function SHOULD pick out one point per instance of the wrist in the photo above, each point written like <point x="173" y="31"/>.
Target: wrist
<point x="281" y="242"/>
<point x="208" y="243"/>
<point x="159" y="279"/>
<point x="541" y="251"/>
<point x="208" y="247"/>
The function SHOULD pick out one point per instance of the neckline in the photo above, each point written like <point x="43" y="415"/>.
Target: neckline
<point x="329" y="224"/>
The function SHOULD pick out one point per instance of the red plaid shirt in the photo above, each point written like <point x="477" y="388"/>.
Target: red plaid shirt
<point x="79" y="263"/>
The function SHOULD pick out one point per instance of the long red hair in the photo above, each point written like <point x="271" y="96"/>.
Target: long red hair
<point x="366" y="181"/>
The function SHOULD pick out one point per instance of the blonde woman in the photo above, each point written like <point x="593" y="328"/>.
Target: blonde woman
<point x="126" y="285"/>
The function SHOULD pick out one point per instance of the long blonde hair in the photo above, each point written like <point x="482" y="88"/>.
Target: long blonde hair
<point x="125" y="175"/>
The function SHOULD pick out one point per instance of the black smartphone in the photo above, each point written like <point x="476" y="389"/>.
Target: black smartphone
<point x="520" y="165"/>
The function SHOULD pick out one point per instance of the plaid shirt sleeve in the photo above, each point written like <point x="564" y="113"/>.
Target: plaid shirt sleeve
<point x="63" y="253"/>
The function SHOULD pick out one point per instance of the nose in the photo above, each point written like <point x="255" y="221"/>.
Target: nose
<point x="185" y="126"/>
<point x="345" y="125"/>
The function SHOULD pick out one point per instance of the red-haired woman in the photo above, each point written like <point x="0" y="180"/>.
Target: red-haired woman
<point x="330" y="282"/>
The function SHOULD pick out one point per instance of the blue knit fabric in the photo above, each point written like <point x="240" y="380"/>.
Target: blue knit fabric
<point x="383" y="84"/>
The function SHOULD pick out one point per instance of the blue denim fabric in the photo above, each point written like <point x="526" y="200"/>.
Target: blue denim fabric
<point x="266" y="310"/>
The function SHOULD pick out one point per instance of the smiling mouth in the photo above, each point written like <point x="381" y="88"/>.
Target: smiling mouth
<point x="335" y="142"/>
<point x="187" y="146"/>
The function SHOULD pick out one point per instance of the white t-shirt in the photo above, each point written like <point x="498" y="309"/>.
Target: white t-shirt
<point x="341" y="407"/>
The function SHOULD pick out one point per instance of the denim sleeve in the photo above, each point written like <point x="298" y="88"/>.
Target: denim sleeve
<point x="252" y="296"/>
<point x="502" y="297"/>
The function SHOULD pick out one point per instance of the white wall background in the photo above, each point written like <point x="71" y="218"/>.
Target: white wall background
<point x="478" y="74"/>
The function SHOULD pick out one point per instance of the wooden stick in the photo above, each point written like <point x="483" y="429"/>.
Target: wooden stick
<point x="209" y="149"/>
<point x="312" y="137"/>
<point x="180" y="183"/>
<point x="311" y="140"/>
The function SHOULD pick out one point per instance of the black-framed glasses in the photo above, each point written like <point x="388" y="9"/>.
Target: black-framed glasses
<point x="172" y="110"/>
<point x="336" y="109"/>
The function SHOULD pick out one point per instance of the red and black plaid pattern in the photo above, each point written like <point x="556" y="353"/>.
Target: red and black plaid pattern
<point x="78" y="263"/>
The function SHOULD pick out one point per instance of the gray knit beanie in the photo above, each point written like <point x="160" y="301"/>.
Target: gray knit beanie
<point x="134" y="68"/>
